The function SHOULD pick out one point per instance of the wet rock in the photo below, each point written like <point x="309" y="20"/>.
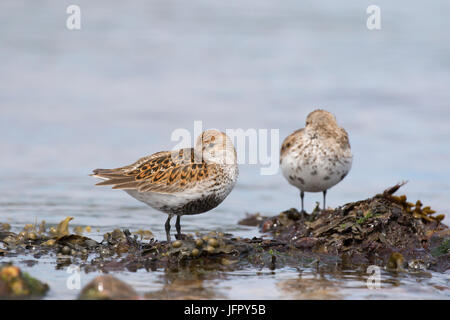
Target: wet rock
<point x="195" y="252"/>
<point x="177" y="244"/>
<point x="441" y="248"/>
<point x="5" y="227"/>
<point x="396" y="262"/>
<point x="15" y="284"/>
<point x="107" y="287"/>
<point x="144" y="234"/>
<point x="75" y="241"/>
<point x="213" y="242"/>
<point x="253" y="220"/>
<point x="306" y="243"/>
<point x="417" y="265"/>
<point x="65" y="250"/>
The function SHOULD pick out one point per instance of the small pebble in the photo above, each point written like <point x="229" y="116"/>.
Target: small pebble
<point x="195" y="252"/>
<point x="227" y="262"/>
<point x="177" y="244"/>
<point x="213" y="242"/>
<point x="32" y="236"/>
<point x="65" y="250"/>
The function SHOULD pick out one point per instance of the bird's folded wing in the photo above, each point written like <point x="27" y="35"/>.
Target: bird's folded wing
<point x="162" y="172"/>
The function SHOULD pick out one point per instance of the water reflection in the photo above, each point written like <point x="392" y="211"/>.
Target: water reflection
<point x="187" y="284"/>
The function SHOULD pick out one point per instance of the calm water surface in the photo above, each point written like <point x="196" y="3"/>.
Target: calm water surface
<point x="73" y="101"/>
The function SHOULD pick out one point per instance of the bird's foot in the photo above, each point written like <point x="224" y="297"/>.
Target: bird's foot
<point x="304" y="214"/>
<point x="181" y="236"/>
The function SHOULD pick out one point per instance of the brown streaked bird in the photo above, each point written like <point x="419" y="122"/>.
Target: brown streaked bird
<point x="317" y="157"/>
<point x="182" y="182"/>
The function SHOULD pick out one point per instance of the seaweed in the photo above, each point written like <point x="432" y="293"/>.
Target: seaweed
<point x="378" y="230"/>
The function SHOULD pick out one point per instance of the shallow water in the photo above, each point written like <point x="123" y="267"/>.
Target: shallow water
<point x="73" y="101"/>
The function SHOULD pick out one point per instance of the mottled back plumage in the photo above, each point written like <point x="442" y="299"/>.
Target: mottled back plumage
<point x="163" y="172"/>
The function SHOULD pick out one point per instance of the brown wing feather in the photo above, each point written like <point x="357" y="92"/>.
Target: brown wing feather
<point x="289" y="142"/>
<point x="160" y="172"/>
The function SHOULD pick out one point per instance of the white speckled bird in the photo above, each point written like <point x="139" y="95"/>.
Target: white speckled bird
<point x="317" y="157"/>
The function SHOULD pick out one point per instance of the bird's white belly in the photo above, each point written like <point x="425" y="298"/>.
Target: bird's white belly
<point x="159" y="201"/>
<point x="191" y="201"/>
<point x="314" y="174"/>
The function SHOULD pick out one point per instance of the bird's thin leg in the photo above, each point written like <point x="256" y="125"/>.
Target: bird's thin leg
<point x="167" y="225"/>
<point x="302" y="195"/>
<point x="177" y="225"/>
<point x="324" y="197"/>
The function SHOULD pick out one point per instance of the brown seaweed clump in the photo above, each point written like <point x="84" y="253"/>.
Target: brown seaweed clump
<point x="122" y="250"/>
<point x="368" y="231"/>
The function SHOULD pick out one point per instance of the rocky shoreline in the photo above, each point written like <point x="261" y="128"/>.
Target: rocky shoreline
<point x="385" y="230"/>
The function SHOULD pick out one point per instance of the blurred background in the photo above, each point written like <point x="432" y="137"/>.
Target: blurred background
<point x="105" y="95"/>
